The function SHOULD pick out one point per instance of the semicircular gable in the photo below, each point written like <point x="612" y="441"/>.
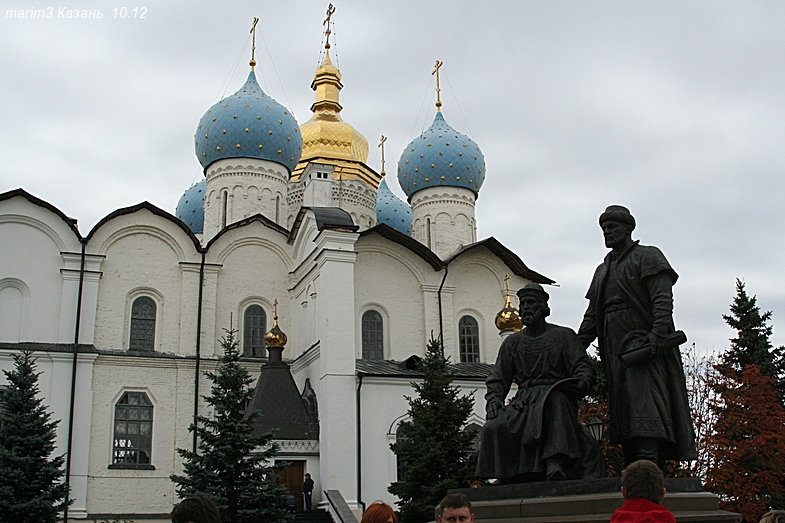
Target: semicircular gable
<point x="231" y="246"/>
<point x="397" y="254"/>
<point x="118" y="225"/>
<point x="42" y="203"/>
<point x="146" y="206"/>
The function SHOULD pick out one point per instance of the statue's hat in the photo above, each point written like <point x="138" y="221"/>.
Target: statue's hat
<point x="617" y="213"/>
<point x="533" y="289"/>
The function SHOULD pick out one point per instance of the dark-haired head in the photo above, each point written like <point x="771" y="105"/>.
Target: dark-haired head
<point x="196" y="510"/>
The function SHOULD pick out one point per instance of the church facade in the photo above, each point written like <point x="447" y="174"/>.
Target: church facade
<point x="125" y="319"/>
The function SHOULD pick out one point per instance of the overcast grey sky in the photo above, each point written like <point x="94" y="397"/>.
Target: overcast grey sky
<point x="674" y="109"/>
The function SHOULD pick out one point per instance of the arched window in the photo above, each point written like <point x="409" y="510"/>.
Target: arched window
<point x="133" y="429"/>
<point x="469" y="340"/>
<point x="373" y="336"/>
<point x="142" y="324"/>
<point x="428" y="233"/>
<point x="278" y="209"/>
<point x="224" y="206"/>
<point x="254" y="329"/>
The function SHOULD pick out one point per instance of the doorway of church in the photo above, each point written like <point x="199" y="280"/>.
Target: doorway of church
<point x="293" y="477"/>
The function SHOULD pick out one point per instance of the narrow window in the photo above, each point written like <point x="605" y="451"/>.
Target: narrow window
<point x="469" y="340"/>
<point x="133" y="429"/>
<point x="400" y="465"/>
<point x="278" y="209"/>
<point x="224" y="204"/>
<point x="254" y="329"/>
<point x="142" y="324"/>
<point x="428" y="233"/>
<point x="373" y="335"/>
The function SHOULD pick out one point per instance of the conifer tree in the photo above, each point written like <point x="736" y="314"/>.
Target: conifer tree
<point x="752" y="343"/>
<point x="746" y="449"/>
<point x="232" y="467"/>
<point x="434" y="451"/>
<point x="30" y="486"/>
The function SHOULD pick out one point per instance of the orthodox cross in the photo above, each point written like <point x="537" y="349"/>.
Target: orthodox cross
<point x="328" y="23"/>
<point x="275" y="310"/>
<point x="253" y="43"/>
<point x="506" y="285"/>
<point x="381" y="144"/>
<point x="438" y="90"/>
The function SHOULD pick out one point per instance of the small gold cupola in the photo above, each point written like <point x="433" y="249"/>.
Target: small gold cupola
<point x="508" y="319"/>
<point x="275" y="339"/>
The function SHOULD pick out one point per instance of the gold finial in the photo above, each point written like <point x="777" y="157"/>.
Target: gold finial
<point x="438" y="89"/>
<point x="252" y="63"/>
<point x="328" y="22"/>
<point x="508" y="319"/>
<point x="381" y="144"/>
<point x="276" y="337"/>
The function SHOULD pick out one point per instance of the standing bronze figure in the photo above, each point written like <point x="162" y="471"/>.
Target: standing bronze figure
<point x="630" y="313"/>
<point x="537" y="435"/>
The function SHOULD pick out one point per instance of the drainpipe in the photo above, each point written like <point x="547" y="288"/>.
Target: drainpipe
<point x="441" y="320"/>
<point x="360" y="376"/>
<point x="73" y="382"/>
<point x="198" y="347"/>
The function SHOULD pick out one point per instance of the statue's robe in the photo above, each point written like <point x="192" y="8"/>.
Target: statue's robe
<point x="630" y="296"/>
<point x="551" y="371"/>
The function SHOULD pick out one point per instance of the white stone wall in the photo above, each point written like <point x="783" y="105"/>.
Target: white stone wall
<point x="443" y="219"/>
<point x="383" y="407"/>
<point x="353" y="196"/>
<point x="252" y="186"/>
<point x="144" y="256"/>
<point x="253" y="265"/>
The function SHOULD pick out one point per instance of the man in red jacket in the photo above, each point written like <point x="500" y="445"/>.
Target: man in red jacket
<point x="643" y="489"/>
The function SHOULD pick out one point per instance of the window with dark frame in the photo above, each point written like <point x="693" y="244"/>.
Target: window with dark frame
<point x="373" y="335"/>
<point x="142" y="324"/>
<point x="469" y="340"/>
<point x="254" y="329"/>
<point x="133" y="430"/>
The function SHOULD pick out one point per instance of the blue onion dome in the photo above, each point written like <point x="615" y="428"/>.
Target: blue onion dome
<point x="393" y="211"/>
<point x="441" y="156"/>
<point x="190" y="208"/>
<point x="248" y="124"/>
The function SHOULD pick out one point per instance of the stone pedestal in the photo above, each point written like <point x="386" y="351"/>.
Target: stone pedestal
<point x="588" y="501"/>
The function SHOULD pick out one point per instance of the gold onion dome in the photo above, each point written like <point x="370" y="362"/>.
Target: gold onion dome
<point x="508" y="319"/>
<point x="326" y="134"/>
<point x="276" y="337"/>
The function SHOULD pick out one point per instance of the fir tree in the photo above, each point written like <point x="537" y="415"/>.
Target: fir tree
<point x="232" y="467"/>
<point x="746" y="448"/>
<point x="30" y="486"/>
<point x="434" y="451"/>
<point x="752" y="343"/>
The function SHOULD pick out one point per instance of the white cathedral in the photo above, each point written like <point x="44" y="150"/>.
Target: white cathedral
<point x="125" y="319"/>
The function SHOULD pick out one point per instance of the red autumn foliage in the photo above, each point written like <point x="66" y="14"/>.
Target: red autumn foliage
<point x="746" y="448"/>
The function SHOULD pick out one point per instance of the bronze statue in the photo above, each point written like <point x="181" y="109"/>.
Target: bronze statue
<point x="537" y="436"/>
<point x="630" y="313"/>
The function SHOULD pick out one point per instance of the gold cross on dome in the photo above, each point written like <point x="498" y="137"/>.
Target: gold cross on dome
<point x="328" y="23"/>
<point x="436" y="68"/>
<point x="381" y="144"/>
<point x="275" y="309"/>
<point x="253" y="43"/>
<point x="506" y="284"/>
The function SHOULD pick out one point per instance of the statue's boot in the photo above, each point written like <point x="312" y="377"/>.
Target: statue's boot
<point x="647" y="448"/>
<point x="554" y="470"/>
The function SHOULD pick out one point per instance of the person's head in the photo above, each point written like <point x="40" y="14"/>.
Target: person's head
<point x="196" y="510"/>
<point x="643" y="479"/>
<point x="455" y="508"/>
<point x="379" y="512"/>
<point x="533" y="304"/>
<point x="775" y="516"/>
<point x="617" y="225"/>
<point x="307" y="475"/>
